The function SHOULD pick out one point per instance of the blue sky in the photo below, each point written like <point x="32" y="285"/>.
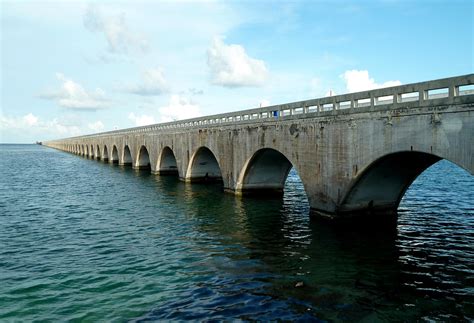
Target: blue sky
<point x="71" y="68"/>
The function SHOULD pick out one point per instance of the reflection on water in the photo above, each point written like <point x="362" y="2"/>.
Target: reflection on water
<point x="87" y="240"/>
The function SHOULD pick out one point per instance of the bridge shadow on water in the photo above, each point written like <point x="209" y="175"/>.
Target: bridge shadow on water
<point x="395" y="268"/>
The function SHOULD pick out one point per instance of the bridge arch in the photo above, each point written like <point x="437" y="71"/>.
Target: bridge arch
<point x="203" y="167"/>
<point x="264" y="173"/>
<point x="143" y="159"/>
<point x="114" y="158"/>
<point x="126" y="156"/>
<point x="98" y="155"/>
<point x="91" y="151"/>
<point x="167" y="164"/>
<point x="87" y="151"/>
<point x="105" y="154"/>
<point x="383" y="183"/>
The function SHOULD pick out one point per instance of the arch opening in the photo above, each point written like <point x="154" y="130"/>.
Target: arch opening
<point x="143" y="159"/>
<point x="92" y="151"/>
<point x="265" y="174"/>
<point x="98" y="155"/>
<point x="127" y="156"/>
<point x="167" y="163"/>
<point x="382" y="185"/>
<point x="203" y="167"/>
<point x="105" y="154"/>
<point x="87" y="151"/>
<point x="115" y="157"/>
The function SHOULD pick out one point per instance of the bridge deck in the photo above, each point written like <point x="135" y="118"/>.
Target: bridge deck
<point x="453" y="90"/>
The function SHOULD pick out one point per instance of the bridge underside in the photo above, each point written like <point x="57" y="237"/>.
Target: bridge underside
<point x="265" y="174"/>
<point x="354" y="160"/>
<point x="167" y="165"/>
<point x="383" y="185"/>
<point x="204" y="168"/>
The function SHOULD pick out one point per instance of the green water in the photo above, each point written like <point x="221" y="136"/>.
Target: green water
<point x="84" y="240"/>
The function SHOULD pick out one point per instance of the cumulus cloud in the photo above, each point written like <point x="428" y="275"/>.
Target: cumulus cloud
<point x="72" y="95"/>
<point x="141" y="120"/>
<point x="25" y="121"/>
<point x="264" y="103"/>
<point x="153" y="83"/>
<point x="230" y="66"/>
<point x="96" y="126"/>
<point x="30" y="119"/>
<point x="30" y="126"/>
<point x="119" y="38"/>
<point x="360" y="81"/>
<point x="194" y="91"/>
<point x="179" y="108"/>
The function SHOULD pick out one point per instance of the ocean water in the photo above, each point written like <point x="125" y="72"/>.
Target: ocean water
<point x="85" y="240"/>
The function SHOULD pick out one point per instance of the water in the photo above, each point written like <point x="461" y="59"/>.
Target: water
<point x="84" y="240"/>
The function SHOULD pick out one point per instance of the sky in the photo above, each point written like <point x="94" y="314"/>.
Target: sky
<point x="70" y="68"/>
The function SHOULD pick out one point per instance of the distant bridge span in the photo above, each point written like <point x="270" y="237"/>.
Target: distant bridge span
<point x="355" y="153"/>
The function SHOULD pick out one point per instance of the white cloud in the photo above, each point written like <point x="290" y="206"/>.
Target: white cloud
<point x="179" y="108"/>
<point x="194" y="91"/>
<point x="73" y="96"/>
<point x="23" y="122"/>
<point x="30" y="119"/>
<point x="360" y="81"/>
<point x="31" y="125"/>
<point x="231" y="66"/>
<point x="96" y="126"/>
<point x="153" y="83"/>
<point x="119" y="38"/>
<point x="264" y="103"/>
<point x="141" y="120"/>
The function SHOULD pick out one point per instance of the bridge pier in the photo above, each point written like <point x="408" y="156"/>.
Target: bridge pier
<point x="352" y="161"/>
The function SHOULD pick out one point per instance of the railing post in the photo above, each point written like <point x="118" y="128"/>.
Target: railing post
<point x="397" y="98"/>
<point x="422" y="95"/>
<point x="453" y="91"/>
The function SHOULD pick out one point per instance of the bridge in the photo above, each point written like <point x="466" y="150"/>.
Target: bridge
<point x="355" y="153"/>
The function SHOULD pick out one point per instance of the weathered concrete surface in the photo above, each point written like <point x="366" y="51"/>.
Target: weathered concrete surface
<point x="349" y="160"/>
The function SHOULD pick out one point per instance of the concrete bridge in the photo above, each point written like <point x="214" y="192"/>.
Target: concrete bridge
<point x="355" y="153"/>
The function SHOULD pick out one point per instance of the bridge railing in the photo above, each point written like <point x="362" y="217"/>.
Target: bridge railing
<point x="443" y="91"/>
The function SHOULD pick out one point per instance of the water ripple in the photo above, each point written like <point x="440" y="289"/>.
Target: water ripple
<point x="84" y="240"/>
